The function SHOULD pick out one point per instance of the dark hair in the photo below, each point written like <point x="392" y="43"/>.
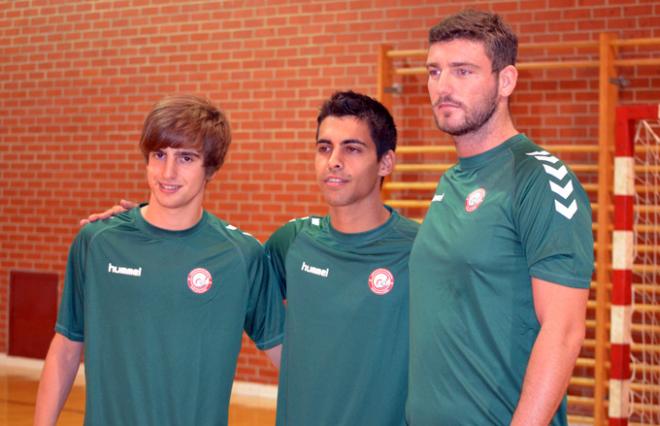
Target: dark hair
<point x="381" y="124"/>
<point x="500" y="43"/>
<point x="188" y="122"/>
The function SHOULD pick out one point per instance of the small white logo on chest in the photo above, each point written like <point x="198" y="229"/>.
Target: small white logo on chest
<point x="474" y="200"/>
<point x="199" y="280"/>
<point x="315" y="270"/>
<point x="381" y="281"/>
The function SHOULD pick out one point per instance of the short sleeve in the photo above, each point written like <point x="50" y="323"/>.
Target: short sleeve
<point x="264" y="322"/>
<point x="71" y="318"/>
<point x="277" y="248"/>
<point x="553" y="216"/>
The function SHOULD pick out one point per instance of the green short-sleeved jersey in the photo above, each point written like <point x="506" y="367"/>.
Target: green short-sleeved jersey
<point x="161" y="314"/>
<point x="496" y="220"/>
<point x="345" y="354"/>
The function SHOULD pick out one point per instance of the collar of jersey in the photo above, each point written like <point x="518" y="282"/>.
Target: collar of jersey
<point x="362" y="237"/>
<point x="486" y="157"/>
<point x="160" y="232"/>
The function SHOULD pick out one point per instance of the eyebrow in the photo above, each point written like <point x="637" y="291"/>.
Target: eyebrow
<point x="344" y="142"/>
<point x="188" y="153"/>
<point x="452" y="65"/>
<point x="182" y="151"/>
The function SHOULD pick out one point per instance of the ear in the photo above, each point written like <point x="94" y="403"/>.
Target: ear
<point x="210" y="177"/>
<point x="386" y="163"/>
<point x="508" y="77"/>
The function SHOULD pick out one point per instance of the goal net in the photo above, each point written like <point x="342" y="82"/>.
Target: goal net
<point x="645" y="322"/>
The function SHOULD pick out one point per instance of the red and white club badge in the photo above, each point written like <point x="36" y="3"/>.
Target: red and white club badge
<point x="474" y="200"/>
<point x="381" y="281"/>
<point x="199" y="280"/>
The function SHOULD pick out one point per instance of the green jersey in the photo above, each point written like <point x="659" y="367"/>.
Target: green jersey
<point x="497" y="220"/>
<point x="161" y="314"/>
<point x="345" y="353"/>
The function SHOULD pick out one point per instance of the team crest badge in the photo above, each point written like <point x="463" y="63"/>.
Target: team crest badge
<point x="199" y="280"/>
<point x="474" y="200"/>
<point x="381" y="281"/>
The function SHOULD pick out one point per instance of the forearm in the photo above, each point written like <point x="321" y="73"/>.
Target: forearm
<point x="548" y="374"/>
<point x="60" y="368"/>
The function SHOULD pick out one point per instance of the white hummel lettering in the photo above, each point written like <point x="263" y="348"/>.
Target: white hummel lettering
<point x="315" y="270"/>
<point x="122" y="270"/>
<point x="556" y="173"/>
<point x="438" y="197"/>
<point x="563" y="191"/>
<point x="565" y="211"/>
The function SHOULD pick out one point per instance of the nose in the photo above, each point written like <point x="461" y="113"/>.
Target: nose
<point x="335" y="161"/>
<point x="440" y="85"/>
<point x="169" y="168"/>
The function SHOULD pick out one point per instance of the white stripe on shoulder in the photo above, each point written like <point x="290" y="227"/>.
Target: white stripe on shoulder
<point x="566" y="205"/>
<point x="299" y="218"/>
<point x="234" y="228"/>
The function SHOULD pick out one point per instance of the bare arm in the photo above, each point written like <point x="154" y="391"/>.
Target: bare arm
<point x="275" y="355"/>
<point x="57" y="377"/>
<point x="112" y="211"/>
<point x="561" y="311"/>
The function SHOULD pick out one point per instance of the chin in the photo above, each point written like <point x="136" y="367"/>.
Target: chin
<point x="335" y="202"/>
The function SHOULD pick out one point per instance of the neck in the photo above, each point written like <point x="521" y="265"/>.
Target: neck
<point x="350" y="220"/>
<point x="172" y="219"/>
<point x="493" y="133"/>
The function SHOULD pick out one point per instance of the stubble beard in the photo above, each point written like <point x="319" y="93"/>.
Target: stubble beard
<point x="474" y="119"/>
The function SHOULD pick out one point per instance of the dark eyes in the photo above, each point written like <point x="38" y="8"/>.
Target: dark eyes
<point x="181" y="158"/>
<point x="325" y="149"/>
<point x="435" y="73"/>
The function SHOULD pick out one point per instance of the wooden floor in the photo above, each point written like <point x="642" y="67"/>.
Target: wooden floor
<point x="18" y="389"/>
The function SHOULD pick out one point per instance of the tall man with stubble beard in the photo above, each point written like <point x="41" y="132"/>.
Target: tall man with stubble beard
<point x="501" y="267"/>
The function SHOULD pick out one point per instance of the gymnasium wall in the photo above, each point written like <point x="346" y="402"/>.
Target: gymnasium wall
<point x="78" y="77"/>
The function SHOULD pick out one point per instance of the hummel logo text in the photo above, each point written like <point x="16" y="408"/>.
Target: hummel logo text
<point x="314" y="270"/>
<point x="122" y="270"/>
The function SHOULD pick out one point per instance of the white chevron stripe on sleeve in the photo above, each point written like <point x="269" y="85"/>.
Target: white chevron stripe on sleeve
<point x="547" y="158"/>
<point x="563" y="191"/>
<point x="556" y="173"/>
<point x="535" y="153"/>
<point x="565" y="211"/>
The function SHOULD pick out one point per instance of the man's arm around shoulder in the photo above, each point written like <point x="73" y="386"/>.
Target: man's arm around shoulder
<point x="561" y="312"/>
<point x="60" y="368"/>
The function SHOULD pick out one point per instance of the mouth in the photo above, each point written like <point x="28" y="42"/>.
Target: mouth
<point x="334" y="181"/>
<point x="169" y="188"/>
<point x="446" y="102"/>
<point x="444" y="105"/>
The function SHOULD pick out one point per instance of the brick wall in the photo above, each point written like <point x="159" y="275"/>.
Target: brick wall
<point x="77" y="78"/>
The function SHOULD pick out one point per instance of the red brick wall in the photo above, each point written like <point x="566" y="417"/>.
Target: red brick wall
<point x="78" y="77"/>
